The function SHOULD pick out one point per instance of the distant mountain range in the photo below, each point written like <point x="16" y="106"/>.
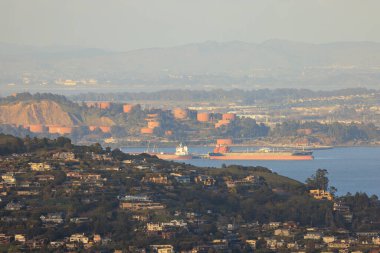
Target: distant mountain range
<point x="272" y="64"/>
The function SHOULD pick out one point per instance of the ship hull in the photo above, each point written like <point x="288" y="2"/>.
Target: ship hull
<point x="174" y="157"/>
<point x="258" y="157"/>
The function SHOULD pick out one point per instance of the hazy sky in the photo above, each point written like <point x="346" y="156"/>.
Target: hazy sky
<point x="130" y="24"/>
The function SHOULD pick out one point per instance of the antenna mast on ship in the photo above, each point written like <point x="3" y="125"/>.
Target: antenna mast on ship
<point x="147" y="149"/>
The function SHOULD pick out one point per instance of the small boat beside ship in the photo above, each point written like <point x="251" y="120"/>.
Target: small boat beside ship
<point x="223" y="152"/>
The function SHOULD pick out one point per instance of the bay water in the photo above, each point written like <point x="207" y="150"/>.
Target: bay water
<point x="351" y="169"/>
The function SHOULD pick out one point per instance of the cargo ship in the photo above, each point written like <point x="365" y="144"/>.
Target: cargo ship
<point x="181" y="153"/>
<point x="223" y="152"/>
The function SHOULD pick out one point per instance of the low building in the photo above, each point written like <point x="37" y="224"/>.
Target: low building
<point x="312" y="236"/>
<point x="252" y="243"/>
<point x="27" y="193"/>
<point x="97" y="238"/>
<point x="44" y="178"/>
<point x="249" y="180"/>
<point x="339" y="245"/>
<point x="282" y="232"/>
<point x="74" y="174"/>
<point x="67" y="156"/>
<point x="20" y="238"/>
<point x="136" y="198"/>
<point x="376" y="240"/>
<point x="135" y="206"/>
<point x="57" y="244"/>
<point x="56" y="218"/>
<point x="205" y="180"/>
<point x="274" y="224"/>
<point x="321" y="194"/>
<point x="9" y="178"/>
<point x="13" y="206"/>
<point x="328" y="239"/>
<point x="182" y="179"/>
<point x="175" y="223"/>
<point x="79" y="220"/>
<point x="5" y="239"/>
<point x="154" y="227"/>
<point x="79" y="238"/>
<point x="340" y="207"/>
<point x="162" y="248"/>
<point x="159" y="179"/>
<point x="40" y="166"/>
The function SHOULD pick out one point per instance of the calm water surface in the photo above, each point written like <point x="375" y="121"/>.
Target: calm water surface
<point x="354" y="169"/>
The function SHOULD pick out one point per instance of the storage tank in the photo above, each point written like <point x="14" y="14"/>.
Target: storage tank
<point x="146" y="130"/>
<point x="154" y="124"/>
<point x="91" y="104"/>
<point x="105" y="129"/>
<point x="224" y="141"/>
<point x="104" y="105"/>
<point x="222" y="123"/>
<point x="229" y="116"/>
<point x="127" y="108"/>
<point x="60" y="130"/>
<point x="180" y="113"/>
<point x="168" y="132"/>
<point x="203" y="117"/>
<point x="36" y="128"/>
<point x="92" y="128"/>
<point x="152" y="115"/>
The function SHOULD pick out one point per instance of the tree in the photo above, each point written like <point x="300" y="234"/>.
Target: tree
<point x="319" y="180"/>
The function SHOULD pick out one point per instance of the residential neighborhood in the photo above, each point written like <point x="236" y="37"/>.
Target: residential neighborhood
<point x="92" y="200"/>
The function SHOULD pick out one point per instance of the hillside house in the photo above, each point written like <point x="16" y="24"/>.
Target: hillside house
<point x="13" y="206"/>
<point x="56" y="218"/>
<point x="79" y="238"/>
<point x="136" y="206"/>
<point x="20" y="238"/>
<point x="9" y="178"/>
<point x="205" y="180"/>
<point x="321" y="194"/>
<point x="40" y="167"/>
<point x="162" y="248"/>
<point x="5" y="239"/>
<point x="67" y="156"/>
<point x="158" y="179"/>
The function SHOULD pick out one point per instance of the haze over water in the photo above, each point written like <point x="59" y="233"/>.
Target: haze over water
<point x="353" y="169"/>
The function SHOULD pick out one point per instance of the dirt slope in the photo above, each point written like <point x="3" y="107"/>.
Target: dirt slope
<point x="40" y="112"/>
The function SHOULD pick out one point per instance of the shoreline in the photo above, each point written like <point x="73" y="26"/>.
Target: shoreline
<point x="171" y="145"/>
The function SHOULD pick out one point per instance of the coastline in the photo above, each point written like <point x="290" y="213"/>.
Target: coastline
<point x="274" y="145"/>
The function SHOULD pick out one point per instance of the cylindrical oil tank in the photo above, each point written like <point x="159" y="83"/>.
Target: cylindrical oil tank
<point x="203" y="116"/>
<point x="92" y="128"/>
<point x="105" y="129"/>
<point x="104" y="105"/>
<point x="154" y="124"/>
<point x="60" y="130"/>
<point x="180" y="113"/>
<point x="222" y="123"/>
<point x="36" y="128"/>
<point x="224" y="141"/>
<point x="66" y="130"/>
<point x="127" y="108"/>
<point x="146" y="130"/>
<point x="152" y="115"/>
<point x="229" y="116"/>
